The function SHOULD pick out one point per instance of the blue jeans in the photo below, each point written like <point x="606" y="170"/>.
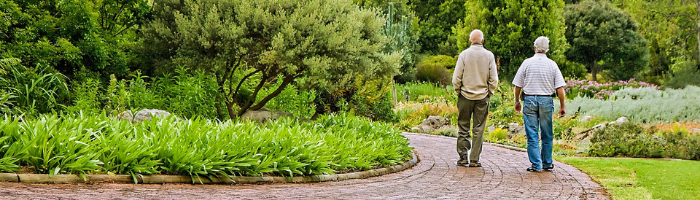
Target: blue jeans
<point x="537" y="113"/>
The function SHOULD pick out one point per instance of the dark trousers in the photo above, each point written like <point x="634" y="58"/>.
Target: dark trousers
<point x="477" y="110"/>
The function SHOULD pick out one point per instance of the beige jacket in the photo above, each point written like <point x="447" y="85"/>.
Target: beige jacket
<point x="475" y="75"/>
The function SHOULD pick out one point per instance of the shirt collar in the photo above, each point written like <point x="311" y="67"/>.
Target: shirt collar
<point x="477" y="45"/>
<point x="540" y="55"/>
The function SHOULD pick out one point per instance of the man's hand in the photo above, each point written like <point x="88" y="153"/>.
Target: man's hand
<point x="518" y="107"/>
<point x="562" y="112"/>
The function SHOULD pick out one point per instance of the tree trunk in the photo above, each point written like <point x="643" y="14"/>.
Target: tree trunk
<point x="229" y="107"/>
<point x="594" y="71"/>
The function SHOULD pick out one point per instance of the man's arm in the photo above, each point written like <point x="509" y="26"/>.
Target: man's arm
<point x="518" y="107"/>
<point x="562" y="97"/>
<point x="493" y="77"/>
<point x="457" y="75"/>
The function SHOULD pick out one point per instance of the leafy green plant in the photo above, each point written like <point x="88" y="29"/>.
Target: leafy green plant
<point x="200" y="148"/>
<point x="497" y="135"/>
<point x="37" y="90"/>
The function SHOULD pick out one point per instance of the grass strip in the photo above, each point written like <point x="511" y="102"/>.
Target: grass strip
<point x="633" y="178"/>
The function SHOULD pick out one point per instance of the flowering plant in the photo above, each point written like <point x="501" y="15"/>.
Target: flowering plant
<point x="592" y="89"/>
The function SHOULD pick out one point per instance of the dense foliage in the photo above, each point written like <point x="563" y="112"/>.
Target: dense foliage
<point x="199" y="148"/>
<point x="511" y="27"/>
<point x="246" y="45"/>
<point x="605" y="38"/>
<point x="77" y="38"/>
<point x="632" y="140"/>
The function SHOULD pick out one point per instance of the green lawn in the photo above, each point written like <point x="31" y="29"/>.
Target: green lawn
<point x="630" y="178"/>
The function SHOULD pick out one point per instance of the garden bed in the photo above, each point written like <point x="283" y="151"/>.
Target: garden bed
<point x="198" y="149"/>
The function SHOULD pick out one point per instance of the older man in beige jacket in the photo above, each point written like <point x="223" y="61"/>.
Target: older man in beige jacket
<point x="475" y="78"/>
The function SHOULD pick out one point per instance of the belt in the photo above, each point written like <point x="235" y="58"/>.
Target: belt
<point x="529" y="95"/>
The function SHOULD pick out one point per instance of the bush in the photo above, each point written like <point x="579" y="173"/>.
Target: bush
<point x="448" y="62"/>
<point x="687" y="75"/>
<point x="497" y="135"/>
<point x="629" y="139"/>
<point x="432" y="72"/>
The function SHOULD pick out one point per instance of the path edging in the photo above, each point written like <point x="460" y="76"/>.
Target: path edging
<point x="160" y="179"/>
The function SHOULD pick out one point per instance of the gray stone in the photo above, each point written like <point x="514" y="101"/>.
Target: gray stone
<point x="586" y="118"/>
<point x="141" y="115"/>
<point x="430" y="124"/>
<point x="622" y="120"/>
<point x="264" y="115"/>
<point x="515" y="129"/>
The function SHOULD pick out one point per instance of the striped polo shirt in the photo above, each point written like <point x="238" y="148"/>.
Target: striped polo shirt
<point x="539" y="75"/>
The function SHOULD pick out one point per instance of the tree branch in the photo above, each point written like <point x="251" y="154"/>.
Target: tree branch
<point x="250" y="102"/>
<point x="286" y="81"/>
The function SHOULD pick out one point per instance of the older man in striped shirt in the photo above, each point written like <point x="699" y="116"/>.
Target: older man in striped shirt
<point x="539" y="78"/>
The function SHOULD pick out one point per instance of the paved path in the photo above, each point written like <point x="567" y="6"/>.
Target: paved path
<point x="436" y="176"/>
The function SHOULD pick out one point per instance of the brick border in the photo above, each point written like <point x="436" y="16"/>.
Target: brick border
<point x="160" y="179"/>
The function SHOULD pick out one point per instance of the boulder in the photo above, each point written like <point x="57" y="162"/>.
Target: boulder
<point x="431" y="124"/>
<point x="141" y="115"/>
<point x="264" y="115"/>
<point x="515" y="129"/>
<point x="586" y="118"/>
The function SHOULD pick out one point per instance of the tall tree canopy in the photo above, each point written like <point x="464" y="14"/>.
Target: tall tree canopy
<point x="89" y="36"/>
<point x="436" y="19"/>
<point x="605" y="38"/>
<point x="510" y="28"/>
<point x="251" y="44"/>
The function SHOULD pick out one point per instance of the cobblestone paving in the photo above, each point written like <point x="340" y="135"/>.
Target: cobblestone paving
<point x="436" y="176"/>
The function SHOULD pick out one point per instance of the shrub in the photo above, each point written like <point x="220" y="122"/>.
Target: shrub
<point x="629" y="139"/>
<point x="687" y="75"/>
<point x="497" y="135"/>
<point x="643" y="105"/>
<point x="445" y="61"/>
<point x="432" y="72"/>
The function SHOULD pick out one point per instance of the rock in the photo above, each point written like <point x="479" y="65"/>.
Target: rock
<point x="586" y="118"/>
<point x="622" y="120"/>
<point x="264" y="115"/>
<point x="142" y="115"/>
<point x="432" y="123"/>
<point x="514" y="129"/>
<point x="598" y="126"/>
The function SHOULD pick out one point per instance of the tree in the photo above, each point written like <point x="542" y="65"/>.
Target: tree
<point x="510" y="27"/>
<point x="670" y="28"/>
<point x="605" y="38"/>
<point x="403" y="36"/>
<point x="72" y="36"/>
<point x="436" y="18"/>
<point x="248" y="45"/>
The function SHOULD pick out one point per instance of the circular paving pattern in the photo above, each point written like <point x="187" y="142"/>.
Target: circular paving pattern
<point x="436" y="176"/>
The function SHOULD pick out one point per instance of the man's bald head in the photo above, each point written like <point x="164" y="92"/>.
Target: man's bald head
<point x="476" y="37"/>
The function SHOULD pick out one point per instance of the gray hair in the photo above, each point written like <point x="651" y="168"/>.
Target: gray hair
<point x="474" y="34"/>
<point x="542" y="44"/>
